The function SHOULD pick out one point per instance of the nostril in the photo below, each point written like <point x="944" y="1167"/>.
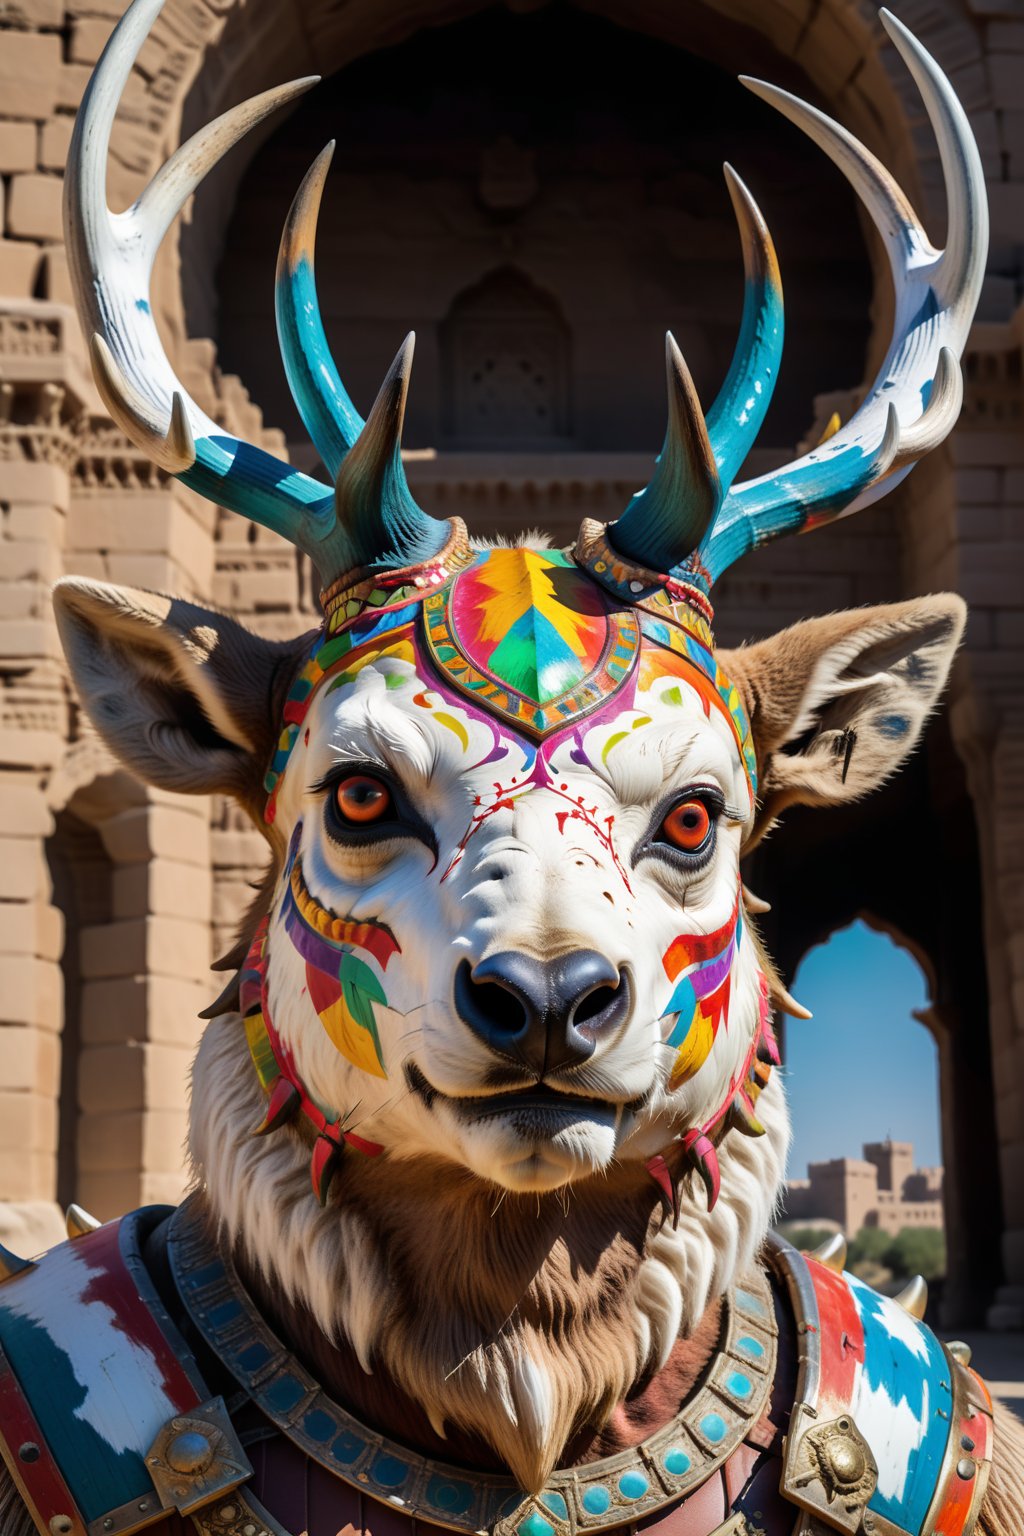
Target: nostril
<point x="594" y="1005"/>
<point x="503" y="1009"/>
<point x="491" y="1009"/>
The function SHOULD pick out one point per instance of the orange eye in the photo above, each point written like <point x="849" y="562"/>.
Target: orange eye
<point x="687" y="825"/>
<point x="361" y="799"/>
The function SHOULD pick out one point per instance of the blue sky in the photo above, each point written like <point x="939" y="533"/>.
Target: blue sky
<point x="863" y="1068"/>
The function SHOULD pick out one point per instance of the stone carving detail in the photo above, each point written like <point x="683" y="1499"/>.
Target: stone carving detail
<point x="506" y="364"/>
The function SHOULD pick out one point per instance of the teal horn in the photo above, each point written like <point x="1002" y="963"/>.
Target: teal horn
<point x="373" y="504"/>
<point x="378" y="522"/>
<point x="667" y="519"/>
<point x="330" y="418"/>
<point x="664" y="524"/>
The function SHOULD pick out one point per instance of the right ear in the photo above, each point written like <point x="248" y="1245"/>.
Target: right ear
<point x="185" y="697"/>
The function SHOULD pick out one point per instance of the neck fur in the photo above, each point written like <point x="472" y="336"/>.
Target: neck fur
<point x="519" y="1319"/>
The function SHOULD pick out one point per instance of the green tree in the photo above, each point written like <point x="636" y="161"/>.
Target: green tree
<point x="870" y="1246"/>
<point x="917" y="1251"/>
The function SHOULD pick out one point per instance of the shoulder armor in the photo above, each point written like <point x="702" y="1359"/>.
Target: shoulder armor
<point x="106" y="1425"/>
<point x="890" y="1435"/>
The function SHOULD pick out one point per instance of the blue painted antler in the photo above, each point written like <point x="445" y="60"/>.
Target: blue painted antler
<point x="666" y="521"/>
<point x="912" y="404"/>
<point x="111" y="258"/>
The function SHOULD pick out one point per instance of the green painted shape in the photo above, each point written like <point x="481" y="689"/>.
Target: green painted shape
<point x="535" y="660"/>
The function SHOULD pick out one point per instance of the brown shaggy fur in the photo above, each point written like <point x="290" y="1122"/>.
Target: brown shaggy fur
<point x="549" y="1262"/>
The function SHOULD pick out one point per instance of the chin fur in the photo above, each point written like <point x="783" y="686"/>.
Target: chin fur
<point x="544" y="1311"/>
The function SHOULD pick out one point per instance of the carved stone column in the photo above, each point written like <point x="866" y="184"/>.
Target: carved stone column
<point x="42" y="390"/>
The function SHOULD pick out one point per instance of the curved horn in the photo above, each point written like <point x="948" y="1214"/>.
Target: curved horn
<point x="913" y="401"/>
<point x="330" y="418"/>
<point x="736" y="416"/>
<point x="375" y="506"/>
<point x="667" y="519"/>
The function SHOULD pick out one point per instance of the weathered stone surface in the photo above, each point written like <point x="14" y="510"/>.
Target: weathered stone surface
<point x="160" y="1008"/>
<point x="29" y="1227"/>
<point x="164" y="887"/>
<point x="18" y="147"/>
<point x="54" y="142"/>
<point x="30" y="65"/>
<point x="177" y="832"/>
<point x="19" y="263"/>
<point x="166" y="946"/>
<point x="30" y="928"/>
<point x="135" y="1139"/>
<point x="33" y="992"/>
<point x="120" y="1078"/>
<point x="31" y="1060"/>
<point x="34" y="207"/>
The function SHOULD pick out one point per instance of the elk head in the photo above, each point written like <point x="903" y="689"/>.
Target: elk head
<point x="508" y="789"/>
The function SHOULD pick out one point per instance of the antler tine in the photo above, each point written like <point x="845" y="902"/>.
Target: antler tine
<point x="168" y="192"/>
<point x="961" y="267"/>
<point x="111" y="258"/>
<point x="940" y="414"/>
<point x="936" y="295"/>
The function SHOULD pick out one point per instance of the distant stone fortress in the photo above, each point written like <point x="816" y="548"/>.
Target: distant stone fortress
<point x="883" y="1189"/>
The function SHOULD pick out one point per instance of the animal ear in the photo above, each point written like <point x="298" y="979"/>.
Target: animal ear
<point x="185" y="697"/>
<point x="837" y="704"/>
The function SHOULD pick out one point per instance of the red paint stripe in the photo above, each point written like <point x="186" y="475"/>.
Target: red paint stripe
<point x="47" y="1492"/>
<point x="689" y="948"/>
<point x="842" y="1338"/>
<point x="112" y="1284"/>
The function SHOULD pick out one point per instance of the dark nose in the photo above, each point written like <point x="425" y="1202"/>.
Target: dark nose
<point x="542" y="1014"/>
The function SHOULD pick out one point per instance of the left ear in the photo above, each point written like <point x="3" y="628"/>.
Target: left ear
<point x="837" y="704"/>
<point x="185" y="697"/>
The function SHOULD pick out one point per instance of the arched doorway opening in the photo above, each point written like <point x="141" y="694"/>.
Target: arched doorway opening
<point x="506" y="365"/>
<point x="862" y="1081"/>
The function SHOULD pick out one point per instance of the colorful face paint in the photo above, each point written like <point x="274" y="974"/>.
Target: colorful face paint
<point x="701" y="967"/>
<point x="286" y="1094"/>
<point x="342" y="988"/>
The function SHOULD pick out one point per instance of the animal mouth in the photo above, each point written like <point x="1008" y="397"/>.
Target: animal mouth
<point x="538" y="1103"/>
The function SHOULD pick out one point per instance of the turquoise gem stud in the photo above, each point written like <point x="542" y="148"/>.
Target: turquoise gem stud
<point x="596" y="1500"/>
<point x="556" y="1504"/>
<point x="535" y="1525"/>
<point x="677" y="1462"/>
<point x="632" y="1485"/>
<point x="712" y="1427"/>
<point x="738" y="1384"/>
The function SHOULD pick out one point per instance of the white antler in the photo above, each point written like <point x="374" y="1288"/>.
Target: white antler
<point x="111" y="259"/>
<point x="916" y="397"/>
